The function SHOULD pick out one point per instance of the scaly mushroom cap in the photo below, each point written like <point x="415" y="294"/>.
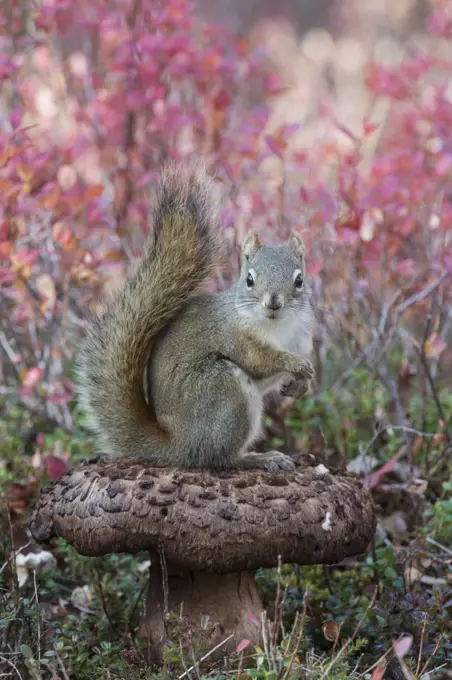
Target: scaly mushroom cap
<point x="229" y="521"/>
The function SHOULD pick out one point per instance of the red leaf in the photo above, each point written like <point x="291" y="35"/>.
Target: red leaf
<point x="25" y="256"/>
<point x="378" y="672"/>
<point x="15" y="117"/>
<point x="375" y="477"/>
<point x="348" y="236"/>
<point x="315" y="267"/>
<point x="275" y="85"/>
<point x="444" y="165"/>
<point x="253" y="619"/>
<point x="242" y="645"/>
<point x="278" y="146"/>
<point x="290" y="130"/>
<point x="448" y="262"/>
<point x="94" y="191"/>
<point x="6" y="275"/>
<point x="32" y="377"/>
<point x="56" y="467"/>
<point x="369" y="128"/>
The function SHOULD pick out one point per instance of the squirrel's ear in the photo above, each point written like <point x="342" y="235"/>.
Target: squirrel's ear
<point x="250" y="244"/>
<point x="296" y="244"/>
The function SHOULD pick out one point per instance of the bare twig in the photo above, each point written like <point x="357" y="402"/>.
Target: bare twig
<point x="133" y="609"/>
<point x="38" y="615"/>
<point x="62" y="666"/>
<point x="427" y="663"/>
<point x="434" y="391"/>
<point x="104" y="603"/>
<point x="17" y="552"/>
<point x="13" y="666"/>
<point x="206" y="656"/>
<point x="164" y="572"/>
<point x="277" y="601"/>
<point x="421" y="295"/>
<point x="421" y="645"/>
<point x="439" y="545"/>
<point x="377" y="662"/>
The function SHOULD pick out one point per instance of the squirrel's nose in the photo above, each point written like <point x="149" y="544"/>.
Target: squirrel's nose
<point x="273" y="301"/>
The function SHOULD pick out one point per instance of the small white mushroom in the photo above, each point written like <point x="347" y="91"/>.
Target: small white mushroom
<point x="40" y="562"/>
<point x="327" y="524"/>
<point x="321" y="470"/>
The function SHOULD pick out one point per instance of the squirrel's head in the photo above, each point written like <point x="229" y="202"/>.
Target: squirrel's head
<point x="272" y="279"/>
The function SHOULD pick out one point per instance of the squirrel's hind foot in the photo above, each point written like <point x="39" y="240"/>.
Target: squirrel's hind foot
<point x="272" y="461"/>
<point x="295" y="388"/>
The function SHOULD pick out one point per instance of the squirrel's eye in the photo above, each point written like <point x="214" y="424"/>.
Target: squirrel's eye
<point x="250" y="280"/>
<point x="298" y="282"/>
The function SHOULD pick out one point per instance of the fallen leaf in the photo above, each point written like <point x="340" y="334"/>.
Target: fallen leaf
<point x="253" y="619"/>
<point x="375" y="477"/>
<point x="242" y="645"/>
<point x="81" y="598"/>
<point x="402" y="646"/>
<point x="330" y="630"/>
<point x="20" y="496"/>
<point x="56" y="467"/>
<point x="417" y="486"/>
<point x="434" y="346"/>
<point x="395" y="524"/>
<point x="411" y="575"/>
<point x="94" y="191"/>
<point x="378" y="672"/>
<point x="45" y="287"/>
<point x="277" y="146"/>
<point x="432" y="581"/>
<point x="32" y="377"/>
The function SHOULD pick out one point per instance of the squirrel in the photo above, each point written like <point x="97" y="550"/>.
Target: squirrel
<point x="176" y="376"/>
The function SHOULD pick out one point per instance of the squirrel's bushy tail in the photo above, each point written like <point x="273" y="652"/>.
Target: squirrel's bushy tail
<point x="182" y="252"/>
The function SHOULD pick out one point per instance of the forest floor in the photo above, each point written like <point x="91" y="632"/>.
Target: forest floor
<point x="385" y="614"/>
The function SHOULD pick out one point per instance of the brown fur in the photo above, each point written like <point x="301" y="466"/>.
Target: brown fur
<point x="180" y="256"/>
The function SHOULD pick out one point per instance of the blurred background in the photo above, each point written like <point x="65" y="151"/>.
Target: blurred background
<point x="333" y="117"/>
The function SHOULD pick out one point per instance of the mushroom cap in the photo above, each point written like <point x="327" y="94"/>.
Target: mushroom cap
<point x="223" y="522"/>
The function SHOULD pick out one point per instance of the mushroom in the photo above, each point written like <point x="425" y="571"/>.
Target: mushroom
<point x="207" y="533"/>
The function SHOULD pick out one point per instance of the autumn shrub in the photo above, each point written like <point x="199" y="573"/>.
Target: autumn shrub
<point x="97" y="95"/>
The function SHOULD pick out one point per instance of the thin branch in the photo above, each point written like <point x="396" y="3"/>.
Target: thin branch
<point x="427" y="663"/>
<point x="421" y="645"/>
<point x="10" y="663"/>
<point x="435" y="394"/>
<point x="421" y="295"/>
<point x="388" y="428"/>
<point x="439" y="545"/>
<point x="104" y="603"/>
<point x="206" y="656"/>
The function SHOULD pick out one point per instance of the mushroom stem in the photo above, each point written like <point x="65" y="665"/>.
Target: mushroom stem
<point x="219" y="605"/>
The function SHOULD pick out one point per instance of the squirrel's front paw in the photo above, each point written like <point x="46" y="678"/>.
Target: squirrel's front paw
<point x="305" y="371"/>
<point x="295" y="388"/>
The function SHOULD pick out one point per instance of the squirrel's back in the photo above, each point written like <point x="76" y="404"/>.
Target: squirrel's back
<point x="181" y="254"/>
